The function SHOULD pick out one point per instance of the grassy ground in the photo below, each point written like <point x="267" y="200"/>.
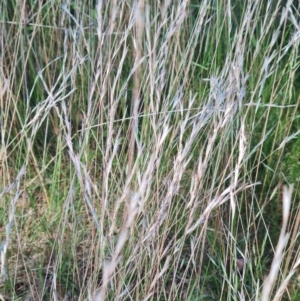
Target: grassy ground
<point x="148" y="150"/>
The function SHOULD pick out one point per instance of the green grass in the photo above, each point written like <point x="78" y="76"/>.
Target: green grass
<point x="147" y="149"/>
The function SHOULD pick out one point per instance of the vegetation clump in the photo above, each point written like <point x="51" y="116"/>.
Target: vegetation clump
<point x="149" y="150"/>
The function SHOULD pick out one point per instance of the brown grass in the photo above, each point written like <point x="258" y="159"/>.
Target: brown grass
<point x="143" y="150"/>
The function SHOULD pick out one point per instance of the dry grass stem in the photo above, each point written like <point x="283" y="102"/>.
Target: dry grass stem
<point x="155" y="136"/>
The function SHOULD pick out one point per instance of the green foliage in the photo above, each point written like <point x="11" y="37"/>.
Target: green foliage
<point x="155" y="140"/>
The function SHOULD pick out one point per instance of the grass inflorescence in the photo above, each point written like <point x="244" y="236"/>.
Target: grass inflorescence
<point x="149" y="150"/>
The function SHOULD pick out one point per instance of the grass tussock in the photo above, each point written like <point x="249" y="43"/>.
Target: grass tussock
<point x="148" y="150"/>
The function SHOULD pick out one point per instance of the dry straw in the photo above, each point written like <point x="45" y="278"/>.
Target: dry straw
<point x="279" y="251"/>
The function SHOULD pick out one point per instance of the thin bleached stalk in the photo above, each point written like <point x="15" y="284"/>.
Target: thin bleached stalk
<point x="139" y="15"/>
<point x="242" y="152"/>
<point x="293" y="239"/>
<point x="136" y="204"/>
<point x="283" y="239"/>
<point x="5" y="243"/>
<point x="84" y="183"/>
<point x="286" y="281"/>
